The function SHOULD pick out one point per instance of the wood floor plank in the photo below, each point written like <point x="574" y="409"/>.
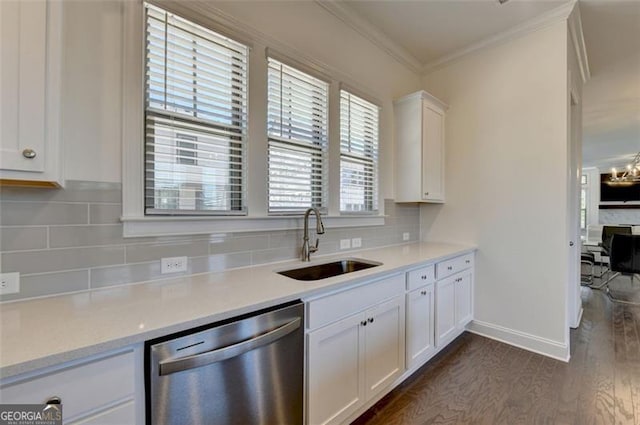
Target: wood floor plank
<point x="481" y="381"/>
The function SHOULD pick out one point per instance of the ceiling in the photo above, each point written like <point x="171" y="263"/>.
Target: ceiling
<point x="611" y="98"/>
<point x="430" y="31"/>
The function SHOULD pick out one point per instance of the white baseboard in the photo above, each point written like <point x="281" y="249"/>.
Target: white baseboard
<point x="577" y="323"/>
<point x="523" y="340"/>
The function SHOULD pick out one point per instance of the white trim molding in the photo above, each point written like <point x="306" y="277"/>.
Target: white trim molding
<point x="180" y="225"/>
<point x="533" y="343"/>
<point x="577" y="39"/>
<point x="371" y="33"/>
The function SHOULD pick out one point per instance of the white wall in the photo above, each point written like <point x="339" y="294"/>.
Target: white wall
<point x="93" y="82"/>
<point x="506" y="170"/>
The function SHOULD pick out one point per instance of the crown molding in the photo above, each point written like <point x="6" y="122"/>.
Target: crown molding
<point x="371" y="33"/>
<point x="577" y="38"/>
<point x="558" y="14"/>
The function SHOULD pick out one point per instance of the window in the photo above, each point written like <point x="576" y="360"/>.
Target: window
<point x="583" y="202"/>
<point x="195" y="118"/>
<point x="297" y="128"/>
<point x="358" y="154"/>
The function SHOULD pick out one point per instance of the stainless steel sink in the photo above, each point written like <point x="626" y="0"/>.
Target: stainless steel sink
<point x="323" y="271"/>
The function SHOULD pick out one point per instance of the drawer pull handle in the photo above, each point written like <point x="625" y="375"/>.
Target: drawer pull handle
<point x="53" y="400"/>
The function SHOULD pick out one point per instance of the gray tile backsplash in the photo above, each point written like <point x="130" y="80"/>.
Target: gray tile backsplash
<point x="71" y="240"/>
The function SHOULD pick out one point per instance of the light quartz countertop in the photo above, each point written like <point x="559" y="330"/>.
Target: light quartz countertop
<point x="43" y="332"/>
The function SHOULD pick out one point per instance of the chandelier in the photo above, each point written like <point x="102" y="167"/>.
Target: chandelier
<point x="631" y="172"/>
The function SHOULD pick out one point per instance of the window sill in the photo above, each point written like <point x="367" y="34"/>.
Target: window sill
<point x="178" y="226"/>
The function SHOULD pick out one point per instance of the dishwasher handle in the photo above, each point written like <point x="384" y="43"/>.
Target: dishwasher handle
<point x="191" y="362"/>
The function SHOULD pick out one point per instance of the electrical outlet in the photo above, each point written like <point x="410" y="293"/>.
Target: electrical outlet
<point x="406" y="236"/>
<point x="9" y="283"/>
<point x="173" y="265"/>
<point x="345" y="243"/>
<point x="356" y="242"/>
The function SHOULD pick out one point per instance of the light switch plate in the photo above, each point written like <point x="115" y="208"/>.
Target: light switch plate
<point x="345" y="243"/>
<point x="406" y="236"/>
<point x="356" y="242"/>
<point x="9" y="283"/>
<point x="173" y="265"/>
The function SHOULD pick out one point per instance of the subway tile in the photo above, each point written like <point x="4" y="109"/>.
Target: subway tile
<point x="50" y="284"/>
<point x="239" y="244"/>
<point x="151" y="252"/>
<point x="22" y="238"/>
<point x="287" y="239"/>
<point x="74" y="191"/>
<point x="70" y="236"/>
<point x="220" y="262"/>
<point x="44" y="261"/>
<point x="123" y="274"/>
<point x="105" y="213"/>
<point x="276" y="254"/>
<point x="41" y="213"/>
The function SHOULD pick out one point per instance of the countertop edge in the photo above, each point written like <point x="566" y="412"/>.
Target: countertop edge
<point x="11" y="371"/>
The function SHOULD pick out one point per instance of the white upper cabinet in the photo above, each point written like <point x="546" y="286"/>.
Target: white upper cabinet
<point x="30" y="57"/>
<point x="419" y="129"/>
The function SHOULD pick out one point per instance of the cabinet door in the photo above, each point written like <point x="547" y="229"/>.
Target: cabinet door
<point x="23" y="42"/>
<point x="384" y="345"/>
<point x="445" y="310"/>
<point x="432" y="154"/>
<point x="420" y="325"/>
<point x="335" y="373"/>
<point x="464" y="300"/>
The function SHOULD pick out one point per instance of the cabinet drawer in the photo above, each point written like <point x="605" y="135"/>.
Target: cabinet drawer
<point x="122" y="414"/>
<point x="83" y="388"/>
<point x="333" y="307"/>
<point x="454" y="265"/>
<point x="420" y="277"/>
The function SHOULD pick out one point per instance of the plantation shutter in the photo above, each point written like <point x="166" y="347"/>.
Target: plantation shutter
<point x="297" y="129"/>
<point x="358" y="154"/>
<point x="195" y="118"/>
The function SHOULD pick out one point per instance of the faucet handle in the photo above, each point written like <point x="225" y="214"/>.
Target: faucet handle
<point x="314" y="248"/>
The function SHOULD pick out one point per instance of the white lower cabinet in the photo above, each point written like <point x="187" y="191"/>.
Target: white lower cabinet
<point x="454" y="306"/>
<point x="420" y="325"/>
<point x="355" y="358"/>
<point x="101" y="390"/>
<point x="445" y="311"/>
<point x="336" y="371"/>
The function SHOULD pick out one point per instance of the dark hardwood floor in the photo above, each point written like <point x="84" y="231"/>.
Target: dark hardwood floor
<point x="480" y="381"/>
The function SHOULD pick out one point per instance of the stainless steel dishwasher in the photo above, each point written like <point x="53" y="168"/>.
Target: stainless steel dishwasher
<point x="248" y="370"/>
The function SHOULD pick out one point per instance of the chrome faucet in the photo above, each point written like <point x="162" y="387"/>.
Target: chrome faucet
<point x="306" y="248"/>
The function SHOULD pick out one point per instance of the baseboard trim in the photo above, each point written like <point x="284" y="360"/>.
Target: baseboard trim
<point x="576" y="325"/>
<point x="523" y="340"/>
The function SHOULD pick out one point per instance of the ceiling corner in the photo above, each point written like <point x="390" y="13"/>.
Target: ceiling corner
<point x="371" y="33"/>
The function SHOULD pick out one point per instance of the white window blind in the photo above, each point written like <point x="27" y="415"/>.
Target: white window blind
<point x="298" y="133"/>
<point x="195" y="118"/>
<point x="358" y="154"/>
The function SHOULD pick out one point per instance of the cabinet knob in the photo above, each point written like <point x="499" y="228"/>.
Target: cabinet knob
<point x="450" y="268"/>
<point x="424" y="277"/>
<point x="29" y="153"/>
<point x="467" y="261"/>
<point x="423" y="292"/>
<point x="363" y="323"/>
<point x="426" y="194"/>
<point x="370" y="319"/>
